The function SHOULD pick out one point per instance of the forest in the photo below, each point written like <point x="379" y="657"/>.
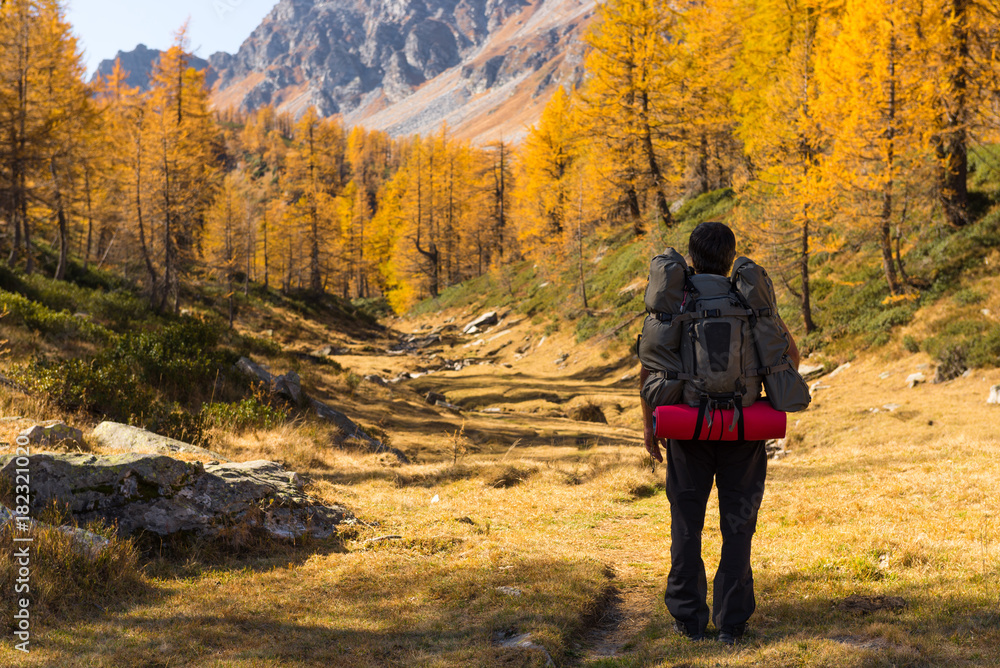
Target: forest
<point x="834" y="123"/>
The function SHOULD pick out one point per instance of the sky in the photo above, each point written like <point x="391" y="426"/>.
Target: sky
<point x="104" y="27"/>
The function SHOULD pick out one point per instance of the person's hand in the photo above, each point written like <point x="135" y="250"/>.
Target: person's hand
<point x="653" y="443"/>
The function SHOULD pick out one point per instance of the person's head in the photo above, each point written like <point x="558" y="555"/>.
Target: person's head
<point x="712" y="248"/>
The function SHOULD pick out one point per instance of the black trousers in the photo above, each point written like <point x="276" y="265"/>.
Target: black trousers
<point x="739" y="470"/>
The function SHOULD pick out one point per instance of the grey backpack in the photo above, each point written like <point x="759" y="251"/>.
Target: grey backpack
<point x="712" y="341"/>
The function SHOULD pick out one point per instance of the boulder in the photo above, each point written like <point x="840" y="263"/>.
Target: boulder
<point x="133" y="440"/>
<point x="915" y="379"/>
<point x="994" y="397"/>
<point x="434" y="397"/>
<point x="350" y="429"/>
<point x="164" y="496"/>
<point x="289" y="387"/>
<point x="377" y="380"/>
<point x="52" y="433"/>
<point x="485" y="320"/>
<point x="254" y="371"/>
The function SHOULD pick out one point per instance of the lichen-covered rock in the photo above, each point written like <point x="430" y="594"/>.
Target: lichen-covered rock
<point x="162" y="495"/>
<point x="133" y="440"/>
<point x="52" y="433"/>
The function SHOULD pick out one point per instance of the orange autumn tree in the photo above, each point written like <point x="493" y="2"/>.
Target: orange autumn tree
<point x="45" y="118"/>
<point x="781" y="134"/>
<point x="182" y="147"/>
<point x="877" y="104"/>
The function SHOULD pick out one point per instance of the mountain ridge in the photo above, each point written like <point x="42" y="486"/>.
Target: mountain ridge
<point x="483" y="67"/>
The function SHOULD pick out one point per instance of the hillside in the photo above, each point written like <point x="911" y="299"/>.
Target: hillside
<point x="521" y="531"/>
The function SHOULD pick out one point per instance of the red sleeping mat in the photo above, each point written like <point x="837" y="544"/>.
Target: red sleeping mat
<point x="760" y="422"/>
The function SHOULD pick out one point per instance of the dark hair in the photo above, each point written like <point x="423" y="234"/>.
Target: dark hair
<point x="712" y="248"/>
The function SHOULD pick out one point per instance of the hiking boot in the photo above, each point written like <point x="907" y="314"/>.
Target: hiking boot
<point x="682" y="629"/>
<point x="731" y="635"/>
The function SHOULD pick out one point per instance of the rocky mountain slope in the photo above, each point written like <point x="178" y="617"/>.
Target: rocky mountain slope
<point x="486" y="67"/>
<point x="139" y="64"/>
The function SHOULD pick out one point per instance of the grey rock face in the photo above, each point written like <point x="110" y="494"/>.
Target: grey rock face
<point x="347" y="49"/>
<point x="133" y="440"/>
<point x="164" y="496"/>
<point x="139" y="63"/>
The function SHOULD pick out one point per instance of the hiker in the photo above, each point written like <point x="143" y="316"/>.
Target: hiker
<point x="737" y="466"/>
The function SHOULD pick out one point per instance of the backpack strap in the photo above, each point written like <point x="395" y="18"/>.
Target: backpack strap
<point x="768" y="370"/>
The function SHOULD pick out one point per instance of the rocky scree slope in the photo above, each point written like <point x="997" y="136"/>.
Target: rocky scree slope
<point x="486" y="67"/>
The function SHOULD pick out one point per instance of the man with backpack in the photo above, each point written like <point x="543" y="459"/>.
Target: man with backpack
<point x="738" y="467"/>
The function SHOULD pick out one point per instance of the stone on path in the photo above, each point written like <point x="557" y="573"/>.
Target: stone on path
<point x="485" y="320"/>
<point x="811" y="371"/>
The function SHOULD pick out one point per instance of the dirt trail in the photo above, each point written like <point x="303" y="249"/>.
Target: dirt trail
<point x="509" y="384"/>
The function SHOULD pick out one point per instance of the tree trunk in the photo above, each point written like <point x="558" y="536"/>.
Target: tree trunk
<point x="885" y="240"/>
<point x="90" y="218"/>
<point x="63" y="225"/>
<point x="952" y="146"/>
<point x="655" y="175"/>
<point x="804" y="267"/>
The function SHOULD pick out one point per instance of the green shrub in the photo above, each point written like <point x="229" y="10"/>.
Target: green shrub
<point x="120" y="309"/>
<point x="968" y="297"/>
<point x="978" y="339"/>
<point x="586" y="327"/>
<point x="125" y="380"/>
<point x="911" y="344"/>
<point x="40" y="318"/>
<point x="108" y="387"/>
<point x="243" y="415"/>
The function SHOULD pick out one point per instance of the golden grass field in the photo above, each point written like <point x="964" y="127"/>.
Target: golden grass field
<point x="528" y="526"/>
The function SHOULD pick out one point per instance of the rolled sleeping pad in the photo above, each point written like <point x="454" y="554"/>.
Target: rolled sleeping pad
<point x="760" y="423"/>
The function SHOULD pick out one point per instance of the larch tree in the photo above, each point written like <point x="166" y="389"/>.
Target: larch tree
<point x="621" y="102"/>
<point x="878" y="105"/>
<point x="183" y="148"/>
<point x="776" y="108"/>
<point x="314" y="177"/>
<point x="44" y="108"/>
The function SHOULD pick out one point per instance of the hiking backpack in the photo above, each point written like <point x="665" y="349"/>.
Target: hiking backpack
<point x="715" y="342"/>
